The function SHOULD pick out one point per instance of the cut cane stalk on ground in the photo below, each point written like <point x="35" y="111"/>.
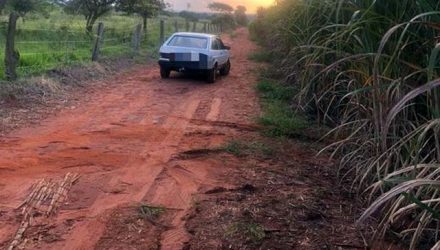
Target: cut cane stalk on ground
<point x="46" y="197"/>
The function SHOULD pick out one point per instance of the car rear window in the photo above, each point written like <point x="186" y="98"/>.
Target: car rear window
<point x="189" y="42"/>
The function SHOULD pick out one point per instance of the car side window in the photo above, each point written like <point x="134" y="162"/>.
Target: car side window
<point x="215" y="45"/>
<point x="220" y="44"/>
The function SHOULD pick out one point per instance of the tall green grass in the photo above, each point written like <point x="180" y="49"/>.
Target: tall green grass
<point x="370" y="70"/>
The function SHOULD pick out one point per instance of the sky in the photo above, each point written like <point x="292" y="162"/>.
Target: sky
<point x="200" y="5"/>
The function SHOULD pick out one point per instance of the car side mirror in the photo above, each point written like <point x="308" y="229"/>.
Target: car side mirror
<point x="227" y="47"/>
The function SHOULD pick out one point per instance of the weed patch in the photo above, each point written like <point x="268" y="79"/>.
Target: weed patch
<point x="33" y="89"/>
<point x="150" y="212"/>
<point x="252" y="231"/>
<point x="262" y="56"/>
<point x="278" y="116"/>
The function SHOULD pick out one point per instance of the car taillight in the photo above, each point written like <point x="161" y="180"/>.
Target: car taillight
<point x="170" y="56"/>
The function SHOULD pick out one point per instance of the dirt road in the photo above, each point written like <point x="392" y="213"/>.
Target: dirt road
<point x="124" y="141"/>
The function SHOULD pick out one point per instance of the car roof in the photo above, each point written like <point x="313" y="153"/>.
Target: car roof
<point x="194" y="34"/>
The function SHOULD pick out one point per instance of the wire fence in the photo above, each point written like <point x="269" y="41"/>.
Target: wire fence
<point x="41" y="50"/>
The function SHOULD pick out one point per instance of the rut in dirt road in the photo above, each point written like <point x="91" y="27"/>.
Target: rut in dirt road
<point x="123" y="145"/>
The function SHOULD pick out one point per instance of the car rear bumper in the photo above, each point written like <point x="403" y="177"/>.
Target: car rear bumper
<point x="182" y="66"/>
<point x="183" y="62"/>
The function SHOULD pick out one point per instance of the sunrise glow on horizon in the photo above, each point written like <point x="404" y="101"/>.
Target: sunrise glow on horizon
<point x="201" y="5"/>
<point x="251" y="5"/>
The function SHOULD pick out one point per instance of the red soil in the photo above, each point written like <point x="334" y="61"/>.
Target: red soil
<point x="123" y="140"/>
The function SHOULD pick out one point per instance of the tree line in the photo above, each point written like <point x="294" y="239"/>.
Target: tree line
<point x="226" y="16"/>
<point x="90" y="9"/>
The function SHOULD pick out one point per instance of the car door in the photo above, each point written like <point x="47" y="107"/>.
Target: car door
<point x="215" y="51"/>
<point x="224" y="53"/>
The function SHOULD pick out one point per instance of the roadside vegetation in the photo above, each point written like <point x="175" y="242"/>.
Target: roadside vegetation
<point x="39" y="35"/>
<point x="59" y="41"/>
<point x="370" y="71"/>
<point x="278" y="118"/>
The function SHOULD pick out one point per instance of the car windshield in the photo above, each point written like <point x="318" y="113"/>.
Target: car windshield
<point x="189" y="42"/>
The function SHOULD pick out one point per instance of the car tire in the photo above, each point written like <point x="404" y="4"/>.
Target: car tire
<point x="212" y="75"/>
<point x="164" y="73"/>
<point x="226" y="69"/>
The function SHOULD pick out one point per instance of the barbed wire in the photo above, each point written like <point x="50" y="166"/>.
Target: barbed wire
<point x="66" y="50"/>
<point x="116" y="46"/>
<point x="54" y="52"/>
<point x="50" y="42"/>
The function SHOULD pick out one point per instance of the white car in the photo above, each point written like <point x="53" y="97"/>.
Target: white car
<point x="199" y="52"/>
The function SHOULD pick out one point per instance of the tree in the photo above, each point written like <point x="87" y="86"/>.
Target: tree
<point x="225" y="21"/>
<point x="261" y="13"/>
<point x="220" y="7"/>
<point x="90" y="9"/>
<point x="2" y="5"/>
<point x="145" y="8"/>
<point x="240" y="15"/>
<point x="224" y="17"/>
<point x="17" y="9"/>
<point x="189" y="16"/>
<point x="22" y="7"/>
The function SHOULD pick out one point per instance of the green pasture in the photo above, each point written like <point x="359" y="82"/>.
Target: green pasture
<point x="59" y="39"/>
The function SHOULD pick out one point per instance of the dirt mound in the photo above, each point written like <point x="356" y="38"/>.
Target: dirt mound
<point x="27" y="101"/>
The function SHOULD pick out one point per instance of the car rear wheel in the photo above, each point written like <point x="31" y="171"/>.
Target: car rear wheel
<point x="164" y="72"/>
<point x="212" y="75"/>
<point x="226" y="69"/>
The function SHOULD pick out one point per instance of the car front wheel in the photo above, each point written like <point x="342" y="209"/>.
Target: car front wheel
<point x="164" y="72"/>
<point x="212" y="75"/>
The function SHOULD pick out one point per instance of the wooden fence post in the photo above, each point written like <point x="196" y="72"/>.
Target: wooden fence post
<point x="176" y="26"/>
<point x="12" y="57"/>
<point x="205" y="28"/>
<point x="162" y="32"/>
<point x="98" y="42"/>
<point x="136" y="39"/>
<point x="194" y="26"/>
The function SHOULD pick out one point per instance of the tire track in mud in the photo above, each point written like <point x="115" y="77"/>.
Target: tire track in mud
<point x="142" y="178"/>
<point x="171" y="188"/>
<point x="179" y="182"/>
